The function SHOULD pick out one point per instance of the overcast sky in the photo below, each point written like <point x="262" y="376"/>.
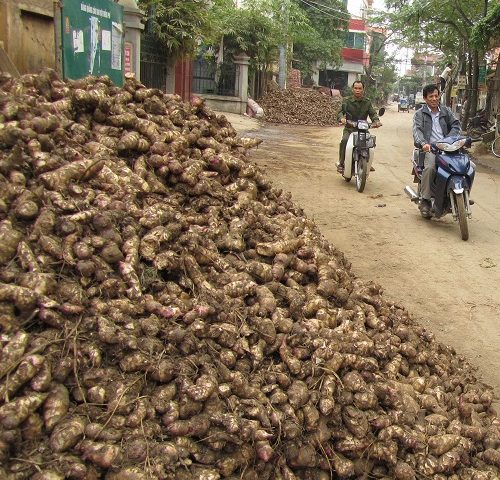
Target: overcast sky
<point x="354" y="6"/>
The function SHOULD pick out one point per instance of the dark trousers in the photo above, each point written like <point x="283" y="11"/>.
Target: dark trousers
<point x="443" y="83"/>
<point x="343" y="143"/>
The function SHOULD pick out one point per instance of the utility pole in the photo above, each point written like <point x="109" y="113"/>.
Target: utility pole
<point x="283" y="48"/>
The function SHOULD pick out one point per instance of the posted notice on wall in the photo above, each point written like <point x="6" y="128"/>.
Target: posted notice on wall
<point x="106" y="40"/>
<point x="116" y="46"/>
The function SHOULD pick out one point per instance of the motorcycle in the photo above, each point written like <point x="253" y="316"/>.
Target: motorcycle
<point x="359" y="152"/>
<point x="453" y="181"/>
<point x="480" y="123"/>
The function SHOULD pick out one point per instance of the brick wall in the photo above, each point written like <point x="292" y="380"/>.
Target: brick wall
<point x="294" y="78"/>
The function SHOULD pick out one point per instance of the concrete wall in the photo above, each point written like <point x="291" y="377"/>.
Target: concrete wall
<point x="226" y="104"/>
<point x="354" y="71"/>
<point x="132" y="18"/>
<point x="27" y="33"/>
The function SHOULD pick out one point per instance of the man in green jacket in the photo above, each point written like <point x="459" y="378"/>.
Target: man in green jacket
<point x="355" y="108"/>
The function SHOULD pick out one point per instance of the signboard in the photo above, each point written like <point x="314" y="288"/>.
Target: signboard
<point x="482" y="75"/>
<point x="461" y="81"/>
<point x="127" y="58"/>
<point x="92" y="39"/>
<point x="454" y="91"/>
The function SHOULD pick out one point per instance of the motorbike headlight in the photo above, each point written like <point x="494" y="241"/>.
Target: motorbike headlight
<point x="362" y="125"/>
<point x="451" y="147"/>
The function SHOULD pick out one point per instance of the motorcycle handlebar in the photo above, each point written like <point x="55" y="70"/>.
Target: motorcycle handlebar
<point x="354" y="124"/>
<point x="434" y="148"/>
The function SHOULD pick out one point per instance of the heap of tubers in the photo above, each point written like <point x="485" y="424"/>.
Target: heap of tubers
<point x="300" y="106"/>
<point x="166" y="313"/>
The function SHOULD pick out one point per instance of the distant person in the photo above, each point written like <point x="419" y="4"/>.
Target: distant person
<point x="443" y="78"/>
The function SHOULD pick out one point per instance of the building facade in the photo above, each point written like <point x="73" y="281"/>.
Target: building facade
<point x="27" y="33"/>
<point x="356" y="51"/>
<point x="355" y="58"/>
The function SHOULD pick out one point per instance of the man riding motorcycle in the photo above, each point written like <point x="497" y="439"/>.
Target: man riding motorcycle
<point x="431" y="123"/>
<point x="355" y="108"/>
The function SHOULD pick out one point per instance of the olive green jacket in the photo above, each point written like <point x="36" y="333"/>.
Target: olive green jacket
<point x="358" y="110"/>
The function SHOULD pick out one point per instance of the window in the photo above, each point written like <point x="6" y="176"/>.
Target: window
<point x="355" y="40"/>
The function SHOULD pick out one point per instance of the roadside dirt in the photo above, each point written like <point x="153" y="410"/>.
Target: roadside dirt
<point x="450" y="286"/>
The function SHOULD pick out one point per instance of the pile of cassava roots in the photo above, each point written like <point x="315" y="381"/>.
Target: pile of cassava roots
<point x="300" y="106"/>
<point x="166" y="313"/>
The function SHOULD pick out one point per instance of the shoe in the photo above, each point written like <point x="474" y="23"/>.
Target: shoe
<point x="340" y="168"/>
<point x="372" y="169"/>
<point x="425" y="207"/>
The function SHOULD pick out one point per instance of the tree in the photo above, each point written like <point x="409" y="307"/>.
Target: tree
<point x="260" y="26"/>
<point x="410" y="84"/>
<point x="250" y="29"/>
<point x="441" y="26"/>
<point x="323" y="41"/>
<point x="177" y="24"/>
<point x="487" y="30"/>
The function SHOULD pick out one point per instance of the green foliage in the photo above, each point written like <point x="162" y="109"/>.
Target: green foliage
<point x="432" y="24"/>
<point x="411" y="84"/>
<point x="177" y="24"/>
<point x="251" y="30"/>
<point x="323" y="41"/>
<point x="259" y="27"/>
<point x="307" y="53"/>
<point x="487" y="29"/>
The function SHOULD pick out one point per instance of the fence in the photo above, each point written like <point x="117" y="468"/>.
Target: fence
<point x="153" y="62"/>
<point x="258" y="83"/>
<point x="208" y="78"/>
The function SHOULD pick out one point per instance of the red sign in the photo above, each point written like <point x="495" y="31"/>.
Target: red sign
<point x="127" y="57"/>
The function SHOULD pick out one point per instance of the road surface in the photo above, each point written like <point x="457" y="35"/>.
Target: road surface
<point x="450" y="286"/>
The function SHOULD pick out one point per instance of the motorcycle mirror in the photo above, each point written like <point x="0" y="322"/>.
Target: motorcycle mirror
<point x="381" y="111"/>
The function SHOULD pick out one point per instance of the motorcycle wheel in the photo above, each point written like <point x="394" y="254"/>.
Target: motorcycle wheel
<point x="462" y="216"/>
<point x="495" y="147"/>
<point x="348" y="179"/>
<point x="361" y="174"/>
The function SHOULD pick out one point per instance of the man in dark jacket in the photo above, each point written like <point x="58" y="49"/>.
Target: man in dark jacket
<point x="431" y="123"/>
<point x="355" y="108"/>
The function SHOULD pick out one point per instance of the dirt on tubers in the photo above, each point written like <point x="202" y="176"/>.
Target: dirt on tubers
<point x="300" y="106"/>
<point x="166" y="313"/>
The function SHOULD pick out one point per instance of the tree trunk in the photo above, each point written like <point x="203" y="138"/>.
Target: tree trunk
<point x="475" y="83"/>
<point x="468" y="96"/>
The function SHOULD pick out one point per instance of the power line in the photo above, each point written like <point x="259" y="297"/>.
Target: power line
<point x="323" y="12"/>
<point x="347" y="15"/>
